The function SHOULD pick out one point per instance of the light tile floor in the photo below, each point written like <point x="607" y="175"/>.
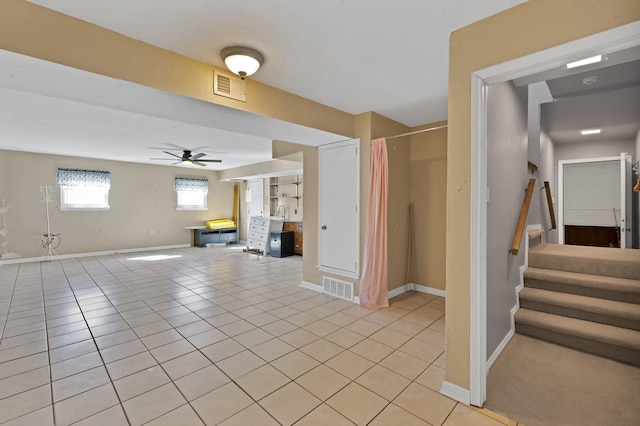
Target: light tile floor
<point x="213" y="336"/>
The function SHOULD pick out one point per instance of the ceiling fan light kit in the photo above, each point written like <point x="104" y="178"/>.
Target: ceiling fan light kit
<point x="241" y="60"/>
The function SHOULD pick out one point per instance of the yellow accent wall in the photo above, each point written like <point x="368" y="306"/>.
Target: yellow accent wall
<point x="530" y="27"/>
<point x="429" y="198"/>
<point x="398" y="197"/>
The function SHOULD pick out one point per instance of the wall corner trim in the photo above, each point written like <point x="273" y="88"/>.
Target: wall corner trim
<point x="456" y="392"/>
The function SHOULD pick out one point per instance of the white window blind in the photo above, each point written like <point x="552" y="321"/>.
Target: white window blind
<point x="82" y="189"/>
<point x="192" y="193"/>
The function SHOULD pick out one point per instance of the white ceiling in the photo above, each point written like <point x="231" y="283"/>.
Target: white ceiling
<point x="353" y="55"/>
<point x="53" y="109"/>
<point x="611" y="103"/>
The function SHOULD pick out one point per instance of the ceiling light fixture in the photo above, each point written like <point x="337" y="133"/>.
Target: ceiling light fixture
<point x="241" y="60"/>
<point x="590" y="131"/>
<point x="586" y="61"/>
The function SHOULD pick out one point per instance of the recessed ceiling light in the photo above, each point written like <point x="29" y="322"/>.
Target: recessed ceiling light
<point x="586" y="61"/>
<point x="590" y="131"/>
<point x="588" y="81"/>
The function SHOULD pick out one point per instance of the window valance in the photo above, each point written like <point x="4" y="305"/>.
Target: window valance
<point x="192" y="184"/>
<point x="84" y="178"/>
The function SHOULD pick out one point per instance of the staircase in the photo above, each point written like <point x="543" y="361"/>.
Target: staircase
<point x="586" y="298"/>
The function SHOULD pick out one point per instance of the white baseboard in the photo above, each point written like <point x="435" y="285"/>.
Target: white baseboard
<point x="514" y="309"/>
<point x="416" y="287"/>
<point x="312" y="286"/>
<point x="398" y="291"/>
<point x="429" y="290"/>
<point x="521" y="273"/>
<point x="96" y="253"/>
<point x="393" y="293"/>
<point x="506" y="340"/>
<point x="456" y="392"/>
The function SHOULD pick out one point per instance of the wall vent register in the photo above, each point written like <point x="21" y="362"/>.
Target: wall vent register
<point x="338" y="288"/>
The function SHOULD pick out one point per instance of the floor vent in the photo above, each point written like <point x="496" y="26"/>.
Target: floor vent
<point x="338" y="288"/>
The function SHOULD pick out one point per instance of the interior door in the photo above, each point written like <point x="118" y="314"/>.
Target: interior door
<point x="589" y="195"/>
<point x="255" y="198"/>
<point x="626" y="176"/>
<point x="339" y="217"/>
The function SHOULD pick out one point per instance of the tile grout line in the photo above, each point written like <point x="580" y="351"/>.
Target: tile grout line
<point x="104" y="365"/>
<point x="190" y="283"/>
<point x="46" y="331"/>
<point x="15" y="283"/>
<point x="158" y="362"/>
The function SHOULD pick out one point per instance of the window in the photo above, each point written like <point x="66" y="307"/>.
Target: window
<point x="192" y="193"/>
<point x="84" y="189"/>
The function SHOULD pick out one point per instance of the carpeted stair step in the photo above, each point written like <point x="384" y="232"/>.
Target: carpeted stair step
<point x="612" y="312"/>
<point x="605" y="261"/>
<point x="621" y="344"/>
<point x="621" y="289"/>
<point x="535" y="237"/>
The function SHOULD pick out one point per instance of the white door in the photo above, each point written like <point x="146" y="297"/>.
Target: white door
<point x="338" y="216"/>
<point x="255" y="198"/>
<point x="626" y="176"/>
<point x="589" y="193"/>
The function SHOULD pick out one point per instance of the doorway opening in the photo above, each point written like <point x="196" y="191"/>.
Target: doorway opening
<point x="614" y="40"/>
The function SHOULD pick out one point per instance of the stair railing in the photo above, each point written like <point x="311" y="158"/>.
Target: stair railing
<point x="522" y="220"/>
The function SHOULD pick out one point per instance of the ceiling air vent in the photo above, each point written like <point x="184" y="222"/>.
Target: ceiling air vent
<point x="229" y="85"/>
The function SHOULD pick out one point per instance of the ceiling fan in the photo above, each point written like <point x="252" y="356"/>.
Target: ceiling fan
<point x="188" y="157"/>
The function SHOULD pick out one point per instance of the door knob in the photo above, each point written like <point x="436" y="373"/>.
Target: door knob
<point x="324" y="227"/>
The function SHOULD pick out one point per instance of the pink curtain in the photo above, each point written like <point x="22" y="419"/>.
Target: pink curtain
<point x="373" y="285"/>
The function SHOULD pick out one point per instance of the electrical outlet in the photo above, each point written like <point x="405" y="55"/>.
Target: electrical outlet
<point x="295" y="211"/>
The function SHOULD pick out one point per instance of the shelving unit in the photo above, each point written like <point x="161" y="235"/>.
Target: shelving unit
<point x="276" y="197"/>
<point x="297" y="196"/>
<point x="273" y="196"/>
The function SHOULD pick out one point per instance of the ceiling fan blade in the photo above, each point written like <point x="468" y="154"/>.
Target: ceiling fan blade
<point x="177" y="162"/>
<point x="172" y="154"/>
<point x="199" y="155"/>
<point x="198" y="163"/>
<point x="200" y="148"/>
<point x="211" y="161"/>
<point x="175" y="146"/>
<point x="170" y="159"/>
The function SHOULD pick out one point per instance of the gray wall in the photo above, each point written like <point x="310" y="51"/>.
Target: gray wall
<point x="601" y="148"/>
<point x="507" y="178"/>
<point x="538" y="152"/>
<point x="547" y="170"/>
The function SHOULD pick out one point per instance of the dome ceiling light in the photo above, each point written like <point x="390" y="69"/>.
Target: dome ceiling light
<point x="241" y="60"/>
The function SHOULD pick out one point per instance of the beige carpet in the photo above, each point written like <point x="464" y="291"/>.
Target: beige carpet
<point x="540" y="384"/>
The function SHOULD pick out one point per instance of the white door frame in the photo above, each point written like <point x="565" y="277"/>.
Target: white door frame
<point x="560" y="183"/>
<point x="626" y="200"/>
<point x="606" y="42"/>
